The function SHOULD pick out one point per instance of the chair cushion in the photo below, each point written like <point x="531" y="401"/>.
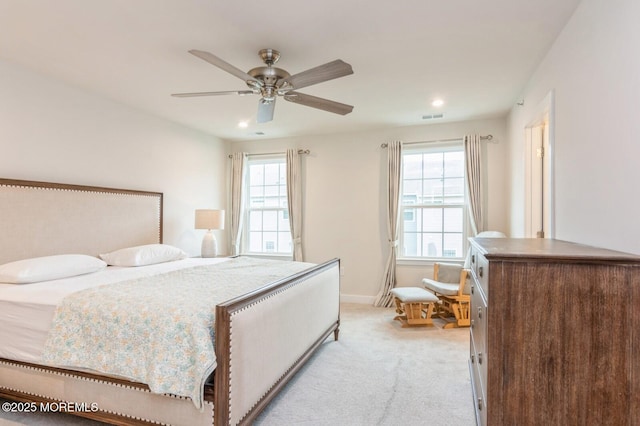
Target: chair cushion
<point x="449" y="272"/>
<point x="446" y="289"/>
<point x="413" y="295"/>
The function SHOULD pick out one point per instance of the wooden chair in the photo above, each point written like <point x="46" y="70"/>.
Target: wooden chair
<point x="451" y="285"/>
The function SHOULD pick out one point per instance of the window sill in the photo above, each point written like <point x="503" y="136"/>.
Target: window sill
<point x="426" y="261"/>
<point x="274" y="256"/>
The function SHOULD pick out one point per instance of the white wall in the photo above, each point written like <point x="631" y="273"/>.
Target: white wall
<point x="344" y="187"/>
<point x="594" y="69"/>
<point x="53" y="132"/>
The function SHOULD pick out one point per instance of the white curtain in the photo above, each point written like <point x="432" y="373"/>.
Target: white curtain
<point x="294" y="195"/>
<point x="473" y="161"/>
<point x="394" y="176"/>
<point x="238" y="167"/>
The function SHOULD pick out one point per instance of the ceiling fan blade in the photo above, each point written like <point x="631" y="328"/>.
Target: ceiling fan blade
<point x="265" y="110"/>
<point x="214" y="60"/>
<point x="320" y="103"/>
<point x="228" y="92"/>
<point x="328" y="71"/>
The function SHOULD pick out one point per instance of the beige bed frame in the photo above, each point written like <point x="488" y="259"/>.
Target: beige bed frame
<point x="262" y="338"/>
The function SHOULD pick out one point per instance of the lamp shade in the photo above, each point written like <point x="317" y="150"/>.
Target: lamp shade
<point x="209" y="219"/>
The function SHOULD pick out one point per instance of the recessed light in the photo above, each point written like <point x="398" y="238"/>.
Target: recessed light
<point x="243" y="124"/>
<point x="437" y="103"/>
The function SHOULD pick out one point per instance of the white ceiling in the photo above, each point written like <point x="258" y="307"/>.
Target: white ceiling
<point x="474" y="54"/>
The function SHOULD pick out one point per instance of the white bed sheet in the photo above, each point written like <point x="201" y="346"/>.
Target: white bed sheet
<point x="26" y="310"/>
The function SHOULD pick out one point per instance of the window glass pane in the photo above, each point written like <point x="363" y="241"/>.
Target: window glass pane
<point x="284" y="242"/>
<point x="271" y="197"/>
<point x="432" y="191"/>
<point x="256" y="191"/>
<point x="433" y="167"/>
<point x="410" y="244"/>
<point x="270" y="220"/>
<point x="271" y="174"/>
<point x="411" y="191"/>
<point x="432" y="220"/>
<point x="453" y="220"/>
<point x="412" y="166"/>
<point x="271" y="191"/>
<point x="452" y="245"/>
<point x="411" y="222"/>
<point x="256" y="174"/>
<point x="270" y="242"/>
<point x="255" y="221"/>
<point x="283" y="220"/>
<point x="257" y="202"/>
<point x="432" y="244"/>
<point x="256" y="196"/>
<point x="255" y="242"/>
<point x="454" y="190"/>
<point x="454" y="164"/>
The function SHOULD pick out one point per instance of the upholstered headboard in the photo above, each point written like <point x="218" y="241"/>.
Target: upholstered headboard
<point x="41" y="219"/>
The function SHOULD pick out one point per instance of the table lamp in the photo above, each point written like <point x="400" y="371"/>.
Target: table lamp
<point x="209" y="220"/>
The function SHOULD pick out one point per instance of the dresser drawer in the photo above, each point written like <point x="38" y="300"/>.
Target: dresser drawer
<point x="479" y="332"/>
<point x="478" y="317"/>
<point x="478" y="386"/>
<point x="474" y="259"/>
<point x="480" y="270"/>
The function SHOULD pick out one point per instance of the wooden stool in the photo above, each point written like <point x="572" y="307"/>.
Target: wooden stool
<point x="414" y="305"/>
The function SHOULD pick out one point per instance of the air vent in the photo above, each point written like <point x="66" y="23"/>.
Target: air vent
<point x="259" y="133"/>
<point x="432" y="116"/>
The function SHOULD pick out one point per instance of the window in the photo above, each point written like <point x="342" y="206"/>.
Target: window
<point x="433" y="202"/>
<point x="267" y="218"/>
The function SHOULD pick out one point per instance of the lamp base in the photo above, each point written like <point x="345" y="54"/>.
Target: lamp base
<point x="209" y="245"/>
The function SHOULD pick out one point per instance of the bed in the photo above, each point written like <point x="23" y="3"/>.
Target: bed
<point x="263" y="336"/>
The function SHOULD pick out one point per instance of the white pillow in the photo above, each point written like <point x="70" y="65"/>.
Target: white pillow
<point x="49" y="268"/>
<point x="143" y="255"/>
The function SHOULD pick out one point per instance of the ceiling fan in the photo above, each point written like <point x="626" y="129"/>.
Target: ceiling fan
<point x="270" y="82"/>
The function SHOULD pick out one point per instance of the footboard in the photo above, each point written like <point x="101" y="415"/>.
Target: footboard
<point x="263" y="338"/>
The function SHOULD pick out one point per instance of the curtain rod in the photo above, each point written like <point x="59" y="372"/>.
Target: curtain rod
<point x="484" y="138"/>
<point x="300" y="151"/>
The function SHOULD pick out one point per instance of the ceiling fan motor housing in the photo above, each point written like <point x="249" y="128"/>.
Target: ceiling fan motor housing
<point x="269" y="75"/>
<point x="271" y="82"/>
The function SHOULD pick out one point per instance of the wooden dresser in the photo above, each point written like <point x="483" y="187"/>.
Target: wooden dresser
<point x="555" y="333"/>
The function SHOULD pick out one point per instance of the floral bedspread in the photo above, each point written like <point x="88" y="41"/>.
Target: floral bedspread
<point x="156" y="330"/>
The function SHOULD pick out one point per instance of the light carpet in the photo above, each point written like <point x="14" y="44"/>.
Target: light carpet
<point x="377" y="373"/>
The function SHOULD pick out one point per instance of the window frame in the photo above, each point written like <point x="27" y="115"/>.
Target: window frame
<point x="431" y="147"/>
<point x="245" y="247"/>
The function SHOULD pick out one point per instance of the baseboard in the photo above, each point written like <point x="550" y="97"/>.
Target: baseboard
<point x="355" y="298"/>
